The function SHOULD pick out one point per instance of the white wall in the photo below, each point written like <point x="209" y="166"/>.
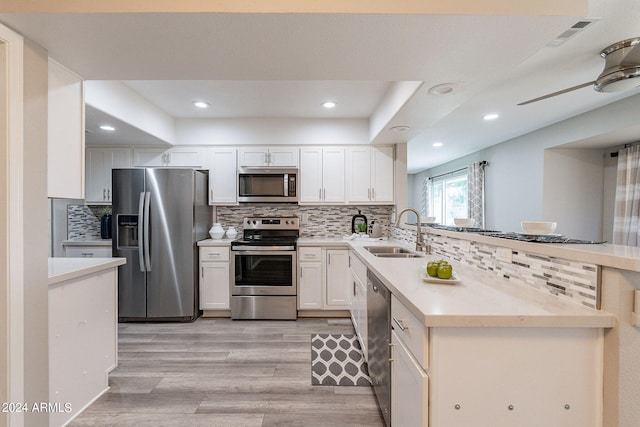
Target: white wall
<point x="4" y="243"/>
<point x="515" y="182"/>
<point x="573" y="191"/>
<point x="271" y="131"/>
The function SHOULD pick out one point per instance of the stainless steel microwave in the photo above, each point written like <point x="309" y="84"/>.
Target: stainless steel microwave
<point x="267" y="185"/>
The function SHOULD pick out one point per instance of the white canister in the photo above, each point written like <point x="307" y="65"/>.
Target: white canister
<point x="216" y="231"/>
<point x="232" y="233"/>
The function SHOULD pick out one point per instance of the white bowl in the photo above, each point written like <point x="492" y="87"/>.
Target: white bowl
<point x="428" y="220"/>
<point x="538" y="227"/>
<point x="463" y="222"/>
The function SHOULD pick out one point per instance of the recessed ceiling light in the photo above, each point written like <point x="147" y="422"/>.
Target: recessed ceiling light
<point x="399" y="128"/>
<point x="438" y="144"/>
<point x="491" y="116"/>
<point x="200" y="104"/>
<point x="442" y="89"/>
<point x="107" y="128"/>
<point x="328" y="104"/>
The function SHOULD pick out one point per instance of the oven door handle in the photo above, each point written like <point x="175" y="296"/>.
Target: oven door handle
<point x="263" y="252"/>
<point x="264" y="249"/>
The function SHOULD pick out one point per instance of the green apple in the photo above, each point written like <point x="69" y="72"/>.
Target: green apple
<point x="445" y="271"/>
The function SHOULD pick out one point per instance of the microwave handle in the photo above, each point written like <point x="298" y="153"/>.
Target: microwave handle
<point x="286" y="185"/>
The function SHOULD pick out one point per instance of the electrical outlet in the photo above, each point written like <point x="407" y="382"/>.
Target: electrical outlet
<point x="504" y="254"/>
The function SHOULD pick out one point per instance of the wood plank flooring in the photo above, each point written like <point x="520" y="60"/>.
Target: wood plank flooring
<point x="219" y="372"/>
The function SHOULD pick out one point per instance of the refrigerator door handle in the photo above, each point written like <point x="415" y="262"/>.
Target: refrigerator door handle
<point x="142" y="232"/>
<point x="147" y="231"/>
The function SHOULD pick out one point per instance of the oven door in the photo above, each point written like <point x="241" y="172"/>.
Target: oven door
<point x="264" y="272"/>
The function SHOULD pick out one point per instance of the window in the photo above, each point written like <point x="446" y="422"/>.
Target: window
<point x="448" y="198"/>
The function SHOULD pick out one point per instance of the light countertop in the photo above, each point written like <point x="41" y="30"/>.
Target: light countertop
<point x="604" y="254"/>
<point x="87" y="242"/>
<point x="215" y="242"/>
<point x="480" y="300"/>
<point x="61" y="269"/>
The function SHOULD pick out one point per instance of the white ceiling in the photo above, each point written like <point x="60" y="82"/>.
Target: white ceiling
<point x="285" y="65"/>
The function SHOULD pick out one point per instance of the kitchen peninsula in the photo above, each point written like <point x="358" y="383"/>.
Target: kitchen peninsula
<point x="83" y="335"/>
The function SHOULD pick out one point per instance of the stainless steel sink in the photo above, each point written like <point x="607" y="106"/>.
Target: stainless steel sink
<point x="392" y="252"/>
<point x="403" y="255"/>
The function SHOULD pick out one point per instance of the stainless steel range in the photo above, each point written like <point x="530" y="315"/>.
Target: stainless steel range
<point x="264" y="284"/>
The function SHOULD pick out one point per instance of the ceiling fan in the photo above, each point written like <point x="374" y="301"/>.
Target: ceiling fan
<point x="621" y="69"/>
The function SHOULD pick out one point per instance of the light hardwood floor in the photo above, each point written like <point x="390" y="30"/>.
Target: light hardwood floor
<point x="219" y="372"/>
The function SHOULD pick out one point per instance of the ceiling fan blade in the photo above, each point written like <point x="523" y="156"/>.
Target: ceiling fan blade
<point x="560" y="92"/>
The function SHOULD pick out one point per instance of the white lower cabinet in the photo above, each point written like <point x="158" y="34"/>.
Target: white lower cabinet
<point x="494" y="376"/>
<point x="337" y="279"/>
<point x="83" y="341"/>
<point x="409" y="388"/>
<point x="358" y="277"/>
<point x="215" y="278"/>
<point x="310" y="286"/>
<point x="323" y="278"/>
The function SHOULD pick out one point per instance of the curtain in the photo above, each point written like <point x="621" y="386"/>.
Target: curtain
<point x="475" y="190"/>
<point x="627" y="200"/>
<point x="426" y="197"/>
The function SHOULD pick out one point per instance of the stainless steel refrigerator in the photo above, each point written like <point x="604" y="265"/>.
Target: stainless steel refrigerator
<point x="158" y="216"/>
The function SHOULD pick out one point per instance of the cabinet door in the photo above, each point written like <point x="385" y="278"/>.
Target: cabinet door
<point x="184" y="157"/>
<point x="98" y="171"/>
<point x="223" y="177"/>
<point x="214" y="285"/>
<point x="253" y="156"/>
<point x="333" y="174"/>
<point x="337" y="279"/>
<point x="149" y="157"/>
<point x="310" y="286"/>
<point x="409" y="388"/>
<point x="65" y="134"/>
<point x="358" y="174"/>
<point x="283" y="157"/>
<point x="382" y="174"/>
<point x="310" y="175"/>
<point x="99" y="163"/>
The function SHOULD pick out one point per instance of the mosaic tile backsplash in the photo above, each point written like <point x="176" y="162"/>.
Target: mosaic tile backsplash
<point x="573" y="281"/>
<point x="315" y="221"/>
<point x="83" y="222"/>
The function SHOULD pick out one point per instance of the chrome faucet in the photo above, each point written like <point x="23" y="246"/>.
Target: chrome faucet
<point x="420" y="245"/>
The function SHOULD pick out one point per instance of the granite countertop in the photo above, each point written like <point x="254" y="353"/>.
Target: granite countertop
<point x="479" y="300"/>
<point x="61" y="269"/>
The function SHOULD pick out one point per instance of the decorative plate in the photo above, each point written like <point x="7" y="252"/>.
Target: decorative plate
<point x="425" y="277"/>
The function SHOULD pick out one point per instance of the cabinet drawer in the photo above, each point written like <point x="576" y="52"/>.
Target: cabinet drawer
<point x="214" y="253"/>
<point x="358" y="267"/>
<point x="88" y="252"/>
<point x="309" y="254"/>
<point x="411" y="331"/>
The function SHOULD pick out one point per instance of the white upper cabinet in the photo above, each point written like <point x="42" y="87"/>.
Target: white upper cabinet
<point x="65" y="134"/>
<point x="370" y="175"/>
<point x="99" y="163"/>
<point x="223" y="176"/>
<point x="178" y="157"/>
<point x="268" y="157"/>
<point x="322" y="173"/>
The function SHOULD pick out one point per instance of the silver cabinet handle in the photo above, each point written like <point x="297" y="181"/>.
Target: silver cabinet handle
<point x="87" y="254"/>
<point x="210" y="194"/>
<point x="369" y="193"/>
<point x="354" y="288"/>
<point x="214" y="254"/>
<point x="202" y="271"/>
<point x="324" y="194"/>
<point x="108" y="194"/>
<point x="373" y="193"/>
<point x="328" y="258"/>
<point x="400" y="324"/>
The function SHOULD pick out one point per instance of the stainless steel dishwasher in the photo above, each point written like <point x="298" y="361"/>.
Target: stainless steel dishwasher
<point x="379" y="337"/>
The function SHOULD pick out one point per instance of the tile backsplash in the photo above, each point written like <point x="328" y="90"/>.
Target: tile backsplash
<point x="315" y="221"/>
<point x="83" y="222"/>
<point x="573" y="281"/>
